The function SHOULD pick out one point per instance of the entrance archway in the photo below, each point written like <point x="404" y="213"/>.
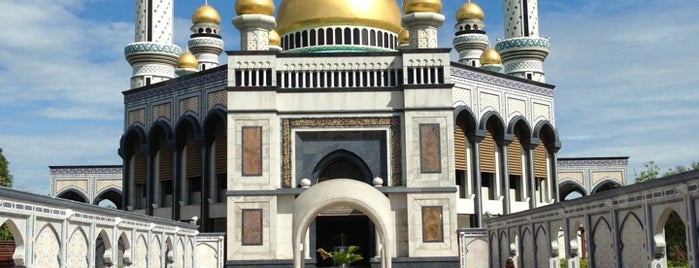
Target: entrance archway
<point x="344" y="193"/>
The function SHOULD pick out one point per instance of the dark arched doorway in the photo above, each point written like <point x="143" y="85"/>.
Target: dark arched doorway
<point x="74" y="195"/>
<point x="342" y="164"/>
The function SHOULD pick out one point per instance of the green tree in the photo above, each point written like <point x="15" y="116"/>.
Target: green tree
<point x="5" y="177"/>
<point x="650" y="172"/>
<point x="5" y="180"/>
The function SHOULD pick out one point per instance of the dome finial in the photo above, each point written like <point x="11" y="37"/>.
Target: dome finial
<point x="470" y="11"/>
<point x="206" y="14"/>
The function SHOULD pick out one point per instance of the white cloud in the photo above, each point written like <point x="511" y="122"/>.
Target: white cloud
<point x="625" y="84"/>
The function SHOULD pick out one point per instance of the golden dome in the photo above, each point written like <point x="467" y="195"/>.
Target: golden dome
<point x="264" y="7"/>
<point x="303" y="14"/>
<point x="490" y="56"/>
<point x="206" y="13"/>
<point x="404" y="37"/>
<point x="274" y="38"/>
<point x="412" y="6"/>
<point x="187" y="61"/>
<point x="469" y="11"/>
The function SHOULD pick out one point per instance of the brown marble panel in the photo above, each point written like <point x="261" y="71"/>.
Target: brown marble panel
<point x="432" y="230"/>
<point x="252" y="227"/>
<point x="430" y="160"/>
<point x="252" y="151"/>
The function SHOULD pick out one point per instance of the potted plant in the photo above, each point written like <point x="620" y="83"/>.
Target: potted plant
<point x="342" y="258"/>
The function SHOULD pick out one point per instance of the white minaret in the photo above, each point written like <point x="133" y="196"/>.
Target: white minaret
<point x="523" y="51"/>
<point x="470" y="40"/>
<point x="422" y="20"/>
<point x="152" y="56"/>
<point x="205" y="42"/>
<point x="254" y="21"/>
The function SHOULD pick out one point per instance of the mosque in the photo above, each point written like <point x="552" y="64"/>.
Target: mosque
<point x="338" y="123"/>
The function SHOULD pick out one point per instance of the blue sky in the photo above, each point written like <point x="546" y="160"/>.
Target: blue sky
<point x="624" y="71"/>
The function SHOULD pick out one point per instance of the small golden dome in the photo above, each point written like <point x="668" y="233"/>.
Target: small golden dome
<point x="187" y="61"/>
<point x="490" y="56"/>
<point x="206" y="13"/>
<point x="304" y="14"/>
<point x="469" y="11"/>
<point x="412" y="6"/>
<point x="274" y="38"/>
<point x="404" y="37"/>
<point x="264" y="7"/>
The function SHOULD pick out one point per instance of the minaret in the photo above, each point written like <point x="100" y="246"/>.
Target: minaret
<point x="523" y="51"/>
<point x="422" y="20"/>
<point x="254" y="21"/>
<point x="152" y="56"/>
<point x="470" y="40"/>
<point x="205" y="42"/>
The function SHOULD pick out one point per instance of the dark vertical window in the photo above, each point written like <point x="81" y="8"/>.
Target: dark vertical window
<point x="297" y="42"/>
<point x="304" y="38"/>
<point x="373" y="38"/>
<point x="348" y="37"/>
<point x="312" y="37"/>
<point x="355" y="36"/>
<point x="365" y="37"/>
<point x="321" y="37"/>
<point x="329" y="36"/>
<point x="338" y="36"/>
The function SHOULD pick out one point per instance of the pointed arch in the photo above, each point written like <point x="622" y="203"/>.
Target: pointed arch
<point x="46" y="254"/>
<point x="169" y="254"/>
<point x="74" y="194"/>
<point x="492" y="117"/>
<point x="77" y="250"/>
<point x="568" y="186"/>
<point x="528" y="250"/>
<point x="155" y="256"/>
<point x="189" y="154"/>
<point x="216" y="140"/>
<point x="103" y="249"/>
<point x="124" y="253"/>
<point x="542" y="246"/>
<point x="602" y="250"/>
<point x="546" y="130"/>
<point x="604" y="185"/>
<point x="18" y="238"/>
<point x="141" y="250"/>
<point x="633" y="245"/>
<point x="112" y="194"/>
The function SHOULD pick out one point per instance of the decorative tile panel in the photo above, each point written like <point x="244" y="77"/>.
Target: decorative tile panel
<point x="576" y="176"/>
<point x="137" y="116"/>
<point x="598" y="176"/>
<point x="491" y="101"/>
<point x="189" y="104"/>
<point x="516" y="106"/>
<point x="462" y="95"/>
<point x="162" y="110"/>
<point x="541" y="111"/>
<point x="216" y="98"/>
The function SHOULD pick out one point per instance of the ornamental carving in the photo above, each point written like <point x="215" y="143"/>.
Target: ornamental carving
<point x="393" y="123"/>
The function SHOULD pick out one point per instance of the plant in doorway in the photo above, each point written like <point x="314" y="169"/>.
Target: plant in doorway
<point x="342" y="258"/>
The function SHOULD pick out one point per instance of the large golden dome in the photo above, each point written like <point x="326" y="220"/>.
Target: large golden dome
<point x="469" y="11"/>
<point x="264" y="7"/>
<point x="412" y="6"/>
<point x="490" y="56"/>
<point x="206" y="13"/>
<point x="302" y="14"/>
